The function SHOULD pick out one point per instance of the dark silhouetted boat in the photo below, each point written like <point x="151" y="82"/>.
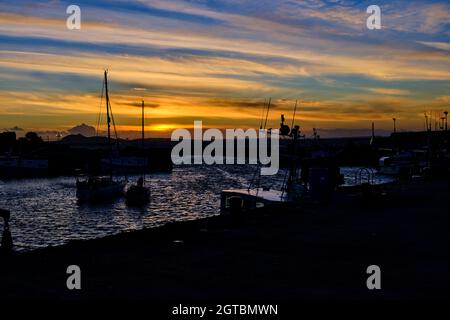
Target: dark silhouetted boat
<point x="139" y="194"/>
<point x="101" y="188"/>
<point x="256" y="196"/>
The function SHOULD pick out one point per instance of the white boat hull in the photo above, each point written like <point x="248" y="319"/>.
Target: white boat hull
<point x="88" y="193"/>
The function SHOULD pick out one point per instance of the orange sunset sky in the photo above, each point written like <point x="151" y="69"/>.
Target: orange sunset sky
<point x="217" y="61"/>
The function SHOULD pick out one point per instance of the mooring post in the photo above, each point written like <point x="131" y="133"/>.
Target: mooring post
<point x="7" y="242"/>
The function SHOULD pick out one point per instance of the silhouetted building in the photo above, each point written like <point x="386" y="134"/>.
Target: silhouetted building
<point x="7" y="141"/>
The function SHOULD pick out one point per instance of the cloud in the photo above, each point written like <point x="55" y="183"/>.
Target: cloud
<point x="436" y="45"/>
<point x="139" y="104"/>
<point x="445" y="99"/>
<point x="389" y="91"/>
<point x="221" y="58"/>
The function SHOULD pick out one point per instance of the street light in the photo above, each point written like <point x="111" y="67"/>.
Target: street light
<point x="395" y="127"/>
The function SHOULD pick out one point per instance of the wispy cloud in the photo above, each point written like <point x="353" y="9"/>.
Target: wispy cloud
<point x="221" y="59"/>
<point x="436" y="45"/>
<point x="389" y="91"/>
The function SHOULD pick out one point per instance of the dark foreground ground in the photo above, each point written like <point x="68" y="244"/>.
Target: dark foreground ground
<point x="305" y="252"/>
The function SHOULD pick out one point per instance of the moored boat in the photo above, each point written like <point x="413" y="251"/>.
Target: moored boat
<point x="251" y="198"/>
<point x="101" y="188"/>
<point x="139" y="194"/>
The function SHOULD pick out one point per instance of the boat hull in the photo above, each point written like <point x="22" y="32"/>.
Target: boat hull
<point x="252" y="198"/>
<point x="137" y="196"/>
<point x="89" y="192"/>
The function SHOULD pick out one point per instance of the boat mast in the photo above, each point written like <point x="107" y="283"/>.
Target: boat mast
<point x="108" y="119"/>
<point x="142" y="124"/>
<point x="143" y="144"/>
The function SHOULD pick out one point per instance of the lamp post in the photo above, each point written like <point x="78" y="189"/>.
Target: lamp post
<point x="395" y="124"/>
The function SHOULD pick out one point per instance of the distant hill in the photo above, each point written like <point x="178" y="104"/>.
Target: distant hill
<point x="81" y="139"/>
<point x="91" y="142"/>
<point x="83" y="129"/>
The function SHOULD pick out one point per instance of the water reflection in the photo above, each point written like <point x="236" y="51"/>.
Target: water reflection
<point x="46" y="212"/>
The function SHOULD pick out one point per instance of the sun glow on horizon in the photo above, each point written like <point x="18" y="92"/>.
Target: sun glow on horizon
<point x="217" y="63"/>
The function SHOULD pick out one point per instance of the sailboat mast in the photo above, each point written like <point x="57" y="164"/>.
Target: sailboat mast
<point x="143" y="144"/>
<point x="108" y="119"/>
<point x="142" y="124"/>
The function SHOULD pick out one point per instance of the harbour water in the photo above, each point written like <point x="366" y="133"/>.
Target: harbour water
<point x="45" y="212"/>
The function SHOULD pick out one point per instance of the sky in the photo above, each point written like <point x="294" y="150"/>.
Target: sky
<point x="217" y="61"/>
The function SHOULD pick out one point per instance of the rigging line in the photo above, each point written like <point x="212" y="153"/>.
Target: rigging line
<point x="259" y="165"/>
<point x="293" y="117"/>
<point x="100" y="112"/>
<point x="114" y="126"/>
<point x="267" y="114"/>
<point x="262" y="115"/>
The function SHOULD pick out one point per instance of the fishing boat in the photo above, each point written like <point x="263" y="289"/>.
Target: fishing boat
<point x="256" y="196"/>
<point x="138" y="194"/>
<point x="252" y="198"/>
<point x="403" y="163"/>
<point x="101" y="188"/>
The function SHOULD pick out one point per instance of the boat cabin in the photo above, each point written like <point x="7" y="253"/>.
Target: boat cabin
<point x="251" y="198"/>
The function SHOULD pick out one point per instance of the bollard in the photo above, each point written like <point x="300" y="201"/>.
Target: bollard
<point x="7" y="242"/>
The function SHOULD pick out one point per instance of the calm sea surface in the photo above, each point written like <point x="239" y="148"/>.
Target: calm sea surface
<point x="45" y="212"/>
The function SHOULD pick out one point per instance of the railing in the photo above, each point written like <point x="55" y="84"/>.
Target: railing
<point x="364" y="175"/>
